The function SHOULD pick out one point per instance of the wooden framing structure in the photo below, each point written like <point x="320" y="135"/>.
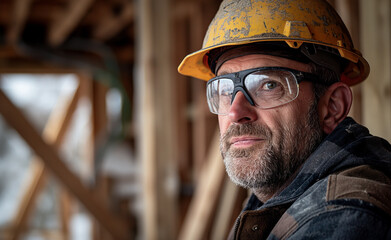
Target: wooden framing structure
<point x="184" y="191"/>
<point x="54" y="133"/>
<point x="48" y="154"/>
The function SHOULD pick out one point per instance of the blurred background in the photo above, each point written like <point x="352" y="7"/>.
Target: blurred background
<point x="101" y="138"/>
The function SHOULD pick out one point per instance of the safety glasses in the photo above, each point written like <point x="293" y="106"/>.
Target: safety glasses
<point x="265" y="87"/>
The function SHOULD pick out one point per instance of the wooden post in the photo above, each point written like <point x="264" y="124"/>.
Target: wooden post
<point x="155" y="119"/>
<point x="375" y="40"/>
<point x="145" y="113"/>
<point x="65" y="23"/>
<point x="200" y="139"/>
<point x="181" y="98"/>
<point x="332" y="2"/>
<point x="166" y="124"/>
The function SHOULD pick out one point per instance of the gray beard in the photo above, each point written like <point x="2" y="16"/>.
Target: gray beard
<point x="269" y="167"/>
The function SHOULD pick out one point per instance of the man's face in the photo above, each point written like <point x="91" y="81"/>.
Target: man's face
<point x="263" y="148"/>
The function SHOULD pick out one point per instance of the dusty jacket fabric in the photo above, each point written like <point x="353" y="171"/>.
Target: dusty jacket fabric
<point x="343" y="191"/>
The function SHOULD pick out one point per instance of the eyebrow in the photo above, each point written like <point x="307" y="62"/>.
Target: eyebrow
<point x="222" y="73"/>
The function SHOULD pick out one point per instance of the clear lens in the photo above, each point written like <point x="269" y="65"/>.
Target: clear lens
<point x="267" y="88"/>
<point x="219" y="95"/>
<point x="271" y="88"/>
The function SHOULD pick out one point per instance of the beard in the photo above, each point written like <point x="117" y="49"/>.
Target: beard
<point x="268" y="166"/>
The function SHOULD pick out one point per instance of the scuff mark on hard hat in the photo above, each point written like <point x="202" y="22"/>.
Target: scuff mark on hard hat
<point x="269" y="35"/>
<point x="325" y="20"/>
<point x="276" y="6"/>
<point x="233" y="5"/>
<point x="315" y="23"/>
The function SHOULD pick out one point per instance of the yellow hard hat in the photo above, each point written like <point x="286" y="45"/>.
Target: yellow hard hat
<point x="295" y="22"/>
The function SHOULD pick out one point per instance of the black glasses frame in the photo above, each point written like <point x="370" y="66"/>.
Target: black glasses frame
<point x="238" y="79"/>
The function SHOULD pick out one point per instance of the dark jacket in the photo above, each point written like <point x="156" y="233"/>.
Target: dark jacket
<point x="343" y="191"/>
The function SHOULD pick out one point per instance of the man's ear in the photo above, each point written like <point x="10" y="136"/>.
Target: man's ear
<point x="334" y="106"/>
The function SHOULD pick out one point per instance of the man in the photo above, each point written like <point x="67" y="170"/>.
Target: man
<point x="278" y="77"/>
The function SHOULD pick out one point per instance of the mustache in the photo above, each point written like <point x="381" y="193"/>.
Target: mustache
<point x="251" y="129"/>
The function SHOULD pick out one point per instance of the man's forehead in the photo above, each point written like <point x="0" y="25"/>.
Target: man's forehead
<point x="243" y="62"/>
<point x="276" y="49"/>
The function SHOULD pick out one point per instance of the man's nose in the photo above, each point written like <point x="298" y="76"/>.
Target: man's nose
<point x="241" y="110"/>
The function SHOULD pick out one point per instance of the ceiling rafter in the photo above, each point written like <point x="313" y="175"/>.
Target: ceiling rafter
<point x="52" y="11"/>
<point x="68" y="21"/>
<point x="113" y="24"/>
<point x="18" y="19"/>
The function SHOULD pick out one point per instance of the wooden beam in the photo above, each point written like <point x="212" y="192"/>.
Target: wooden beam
<point x="179" y="45"/>
<point x="35" y="185"/>
<point x="146" y="110"/>
<point x="113" y="24"/>
<point x="52" y="10"/>
<point x="332" y="2"/>
<point x="5" y="13"/>
<point x="166" y="125"/>
<point x="8" y="51"/>
<point x="124" y="54"/>
<point x="34" y="68"/>
<point x="18" y="19"/>
<point x="206" y="195"/>
<point x="99" y="111"/>
<point x="156" y="122"/>
<point x="200" y="111"/>
<point x="54" y="133"/>
<point x="115" y="226"/>
<point x="66" y="204"/>
<point x="67" y="22"/>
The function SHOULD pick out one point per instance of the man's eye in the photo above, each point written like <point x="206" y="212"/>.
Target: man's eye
<point x="269" y="85"/>
<point x="226" y="93"/>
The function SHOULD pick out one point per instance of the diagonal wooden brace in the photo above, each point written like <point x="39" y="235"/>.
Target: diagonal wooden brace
<point x="54" y="133"/>
<point x="115" y="226"/>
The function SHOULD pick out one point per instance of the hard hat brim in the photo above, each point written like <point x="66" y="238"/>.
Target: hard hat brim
<point x="196" y="64"/>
